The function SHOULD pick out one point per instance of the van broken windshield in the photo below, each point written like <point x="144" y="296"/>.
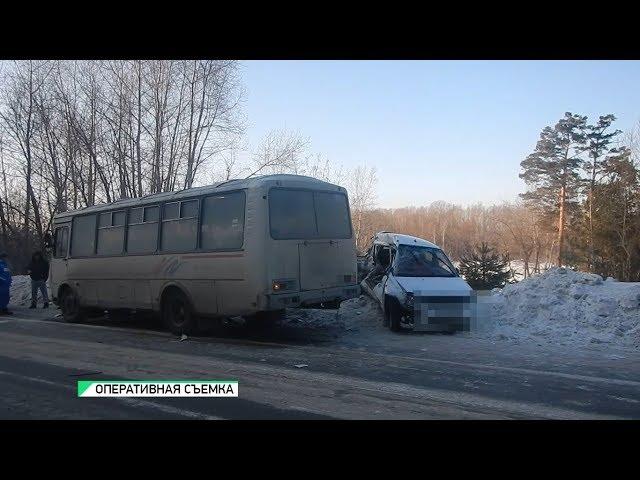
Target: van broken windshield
<point x="416" y="261"/>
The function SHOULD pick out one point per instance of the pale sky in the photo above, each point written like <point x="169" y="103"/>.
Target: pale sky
<point x="435" y="130"/>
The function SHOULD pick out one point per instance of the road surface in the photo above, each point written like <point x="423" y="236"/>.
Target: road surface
<point x="345" y="376"/>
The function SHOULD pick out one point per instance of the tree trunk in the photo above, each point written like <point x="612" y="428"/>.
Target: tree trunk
<point x="561" y="225"/>
<point x="591" y="188"/>
<point x="139" y="131"/>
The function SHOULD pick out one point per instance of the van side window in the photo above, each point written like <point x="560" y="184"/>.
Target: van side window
<point x="62" y="242"/>
<point x="111" y="233"/>
<point x="222" y="224"/>
<point x="180" y="226"/>
<point x="83" y="236"/>
<point x="143" y="230"/>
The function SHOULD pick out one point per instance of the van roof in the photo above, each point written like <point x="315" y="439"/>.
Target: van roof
<point x="234" y="184"/>
<point x="401" y="239"/>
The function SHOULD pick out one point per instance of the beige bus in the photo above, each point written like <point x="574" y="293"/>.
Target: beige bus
<point x="246" y="248"/>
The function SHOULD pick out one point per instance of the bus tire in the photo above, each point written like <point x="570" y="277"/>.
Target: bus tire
<point x="177" y="314"/>
<point x="72" y="312"/>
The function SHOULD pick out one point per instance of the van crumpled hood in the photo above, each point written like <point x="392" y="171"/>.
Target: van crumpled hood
<point x="435" y="285"/>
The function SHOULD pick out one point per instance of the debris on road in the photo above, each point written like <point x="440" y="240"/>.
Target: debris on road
<point x="183" y="337"/>
<point x="301" y="365"/>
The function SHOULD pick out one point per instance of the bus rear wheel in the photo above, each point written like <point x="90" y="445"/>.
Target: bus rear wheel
<point x="177" y="313"/>
<point x="70" y="306"/>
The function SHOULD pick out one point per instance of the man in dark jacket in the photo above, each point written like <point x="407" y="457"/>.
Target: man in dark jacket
<point x="38" y="270"/>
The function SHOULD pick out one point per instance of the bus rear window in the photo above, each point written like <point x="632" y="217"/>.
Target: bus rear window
<point x="291" y="214"/>
<point x="297" y="214"/>
<point x="332" y="214"/>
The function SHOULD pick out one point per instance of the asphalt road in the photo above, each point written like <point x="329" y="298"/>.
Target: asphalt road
<point x="394" y="377"/>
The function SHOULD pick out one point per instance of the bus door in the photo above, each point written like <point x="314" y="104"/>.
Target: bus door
<point x="59" y="266"/>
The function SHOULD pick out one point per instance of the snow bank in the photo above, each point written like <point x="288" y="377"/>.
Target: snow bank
<point x="566" y="307"/>
<point x="21" y="291"/>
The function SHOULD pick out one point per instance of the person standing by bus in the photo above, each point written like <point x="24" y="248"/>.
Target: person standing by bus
<point x="38" y="270"/>
<point x="5" y="284"/>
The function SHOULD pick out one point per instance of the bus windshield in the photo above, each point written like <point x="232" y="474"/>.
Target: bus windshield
<point x="302" y="214"/>
<point x="416" y="261"/>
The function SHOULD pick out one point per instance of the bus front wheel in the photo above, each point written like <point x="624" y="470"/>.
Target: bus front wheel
<point x="177" y="313"/>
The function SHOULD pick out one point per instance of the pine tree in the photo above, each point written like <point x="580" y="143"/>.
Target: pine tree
<point x="599" y="139"/>
<point x="484" y="268"/>
<point x="616" y="219"/>
<point x="552" y="172"/>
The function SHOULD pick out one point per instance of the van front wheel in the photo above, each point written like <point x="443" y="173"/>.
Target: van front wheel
<point x="177" y="314"/>
<point x="393" y="315"/>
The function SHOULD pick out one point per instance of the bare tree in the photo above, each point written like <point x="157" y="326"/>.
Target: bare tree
<point x="362" y="196"/>
<point x="279" y="152"/>
<point x="19" y="116"/>
<point x="214" y="96"/>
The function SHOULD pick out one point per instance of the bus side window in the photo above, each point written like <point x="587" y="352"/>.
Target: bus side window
<point x="222" y="226"/>
<point x="180" y="226"/>
<point x="143" y="230"/>
<point x="111" y="233"/>
<point x="83" y="236"/>
<point x="61" y="242"/>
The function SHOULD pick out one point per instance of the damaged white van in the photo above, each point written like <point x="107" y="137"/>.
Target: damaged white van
<point x="416" y="285"/>
<point x="248" y="248"/>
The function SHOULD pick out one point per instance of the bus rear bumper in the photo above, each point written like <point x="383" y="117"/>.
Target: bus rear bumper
<point x="310" y="298"/>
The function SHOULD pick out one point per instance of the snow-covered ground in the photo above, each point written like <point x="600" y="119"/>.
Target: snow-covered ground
<point x="566" y="307"/>
<point x="559" y="307"/>
<point x="355" y="315"/>
<point x="21" y="290"/>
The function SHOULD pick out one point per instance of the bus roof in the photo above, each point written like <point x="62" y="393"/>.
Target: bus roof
<point x="235" y="184"/>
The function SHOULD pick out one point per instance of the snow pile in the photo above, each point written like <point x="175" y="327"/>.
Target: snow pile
<point x="21" y="291"/>
<point x="565" y="307"/>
